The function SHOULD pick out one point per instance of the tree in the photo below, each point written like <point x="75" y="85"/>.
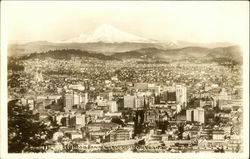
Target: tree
<point x="181" y="130"/>
<point x="25" y="134"/>
<point x="117" y="121"/>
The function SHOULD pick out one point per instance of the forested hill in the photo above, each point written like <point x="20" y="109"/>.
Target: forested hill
<point x="219" y="55"/>
<point x="66" y="54"/>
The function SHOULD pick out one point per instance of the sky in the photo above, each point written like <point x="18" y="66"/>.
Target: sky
<point x="204" y="22"/>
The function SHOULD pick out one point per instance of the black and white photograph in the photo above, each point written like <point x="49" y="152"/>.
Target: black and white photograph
<point x="124" y="79"/>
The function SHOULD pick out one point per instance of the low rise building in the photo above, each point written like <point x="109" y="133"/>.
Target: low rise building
<point x="95" y="113"/>
<point x="101" y="126"/>
<point x="120" y="135"/>
<point x="218" y="135"/>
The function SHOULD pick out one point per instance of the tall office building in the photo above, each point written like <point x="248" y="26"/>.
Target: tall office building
<point x="77" y="120"/>
<point x="68" y="102"/>
<point x="139" y="102"/>
<point x="80" y="120"/>
<point x="79" y="99"/>
<point x="164" y="96"/>
<point x="195" y="115"/>
<point x="113" y="107"/>
<point x="181" y="95"/>
<point x="129" y="101"/>
<point x="189" y="115"/>
<point x="76" y="99"/>
<point x="199" y="115"/>
<point x="84" y="99"/>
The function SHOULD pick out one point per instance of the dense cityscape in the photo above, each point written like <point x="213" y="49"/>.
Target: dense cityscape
<point x="93" y="105"/>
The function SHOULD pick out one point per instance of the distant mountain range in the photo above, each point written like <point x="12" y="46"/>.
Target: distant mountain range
<point x="109" y="42"/>
<point x="231" y="52"/>
<point x="220" y="55"/>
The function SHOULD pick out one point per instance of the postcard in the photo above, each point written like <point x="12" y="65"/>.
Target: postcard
<point x="124" y="79"/>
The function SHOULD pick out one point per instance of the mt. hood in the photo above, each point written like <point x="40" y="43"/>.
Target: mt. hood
<point x="108" y="34"/>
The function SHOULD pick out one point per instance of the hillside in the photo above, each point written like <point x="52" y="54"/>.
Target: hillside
<point x="99" y="47"/>
<point x="220" y="54"/>
<point x="66" y="54"/>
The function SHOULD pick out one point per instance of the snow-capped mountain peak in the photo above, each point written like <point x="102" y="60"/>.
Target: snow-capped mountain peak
<point x="108" y="34"/>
